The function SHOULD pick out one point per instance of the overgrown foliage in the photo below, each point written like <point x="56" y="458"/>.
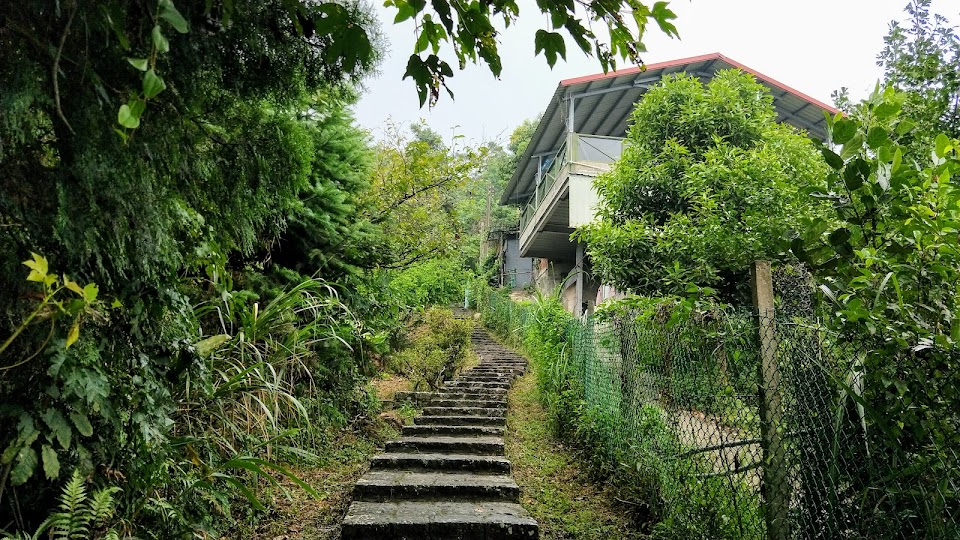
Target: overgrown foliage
<point x="921" y="57"/>
<point x="888" y="267"/>
<point x="438" y="349"/>
<point x="708" y="182"/>
<point x="414" y="193"/>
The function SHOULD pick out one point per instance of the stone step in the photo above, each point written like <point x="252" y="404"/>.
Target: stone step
<point x="490" y="402"/>
<point x="485" y="378"/>
<point x="388" y="485"/>
<point x="438" y="520"/>
<point x="460" y="431"/>
<point x="459" y="420"/>
<point x="446" y="477"/>
<point x="464" y="411"/>
<point x="441" y="462"/>
<point x="486" y="445"/>
<point x="478" y="384"/>
<point x="488" y="393"/>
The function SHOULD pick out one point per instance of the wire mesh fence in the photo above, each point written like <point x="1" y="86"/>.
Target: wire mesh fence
<point x="753" y="426"/>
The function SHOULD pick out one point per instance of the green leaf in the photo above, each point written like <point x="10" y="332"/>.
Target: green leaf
<point x="83" y="424"/>
<point x="663" y="15"/>
<point x="876" y="136"/>
<point x="152" y="84"/>
<point x="833" y="160"/>
<point x="90" y="292"/>
<point x="173" y="17"/>
<point x="140" y="63"/>
<point x="72" y="285"/>
<point x="208" y="346"/>
<point x="941" y="144"/>
<point x="844" y="130"/>
<point x="126" y="118"/>
<point x="159" y="41"/>
<point x="551" y="43"/>
<point x="886" y="110"/>
<point x="852" y="147"/>
<point x="38" y="268"/>
<point x="404" y="11"/>
<point x="839" y="240"/>
<point x="59" y="426"/>
<point x="905" y="126"/>
<point x="856" y="173"/>
<point x="74" y="334"/>
<point x="25" y="464"/>
<point x="51" y="464"/>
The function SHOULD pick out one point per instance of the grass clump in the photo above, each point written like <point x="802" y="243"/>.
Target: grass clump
<point x="555" y="486"/>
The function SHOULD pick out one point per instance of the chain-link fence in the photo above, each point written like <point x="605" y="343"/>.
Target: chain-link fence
<point x="742" y="426"/>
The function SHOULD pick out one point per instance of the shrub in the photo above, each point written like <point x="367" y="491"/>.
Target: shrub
<point x="440" y="348"/>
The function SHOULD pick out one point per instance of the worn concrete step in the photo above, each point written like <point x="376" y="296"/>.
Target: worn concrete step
<point x="486" y="445"/>
<point x="488" y="393"/>
<point x="476" y="384"/>
<point x="484" y="378"/>
<point x="495" y="367"/>
<point x="464" y="411"/>
<point x="441" y="462"/>
<point x="492" y="376"/>
<point x="387" y="485"/>
<point x="435" y="520"/>
<point x="492" y="402"/>
<point x="458" y="430"/>
<point x="459" y="420"/>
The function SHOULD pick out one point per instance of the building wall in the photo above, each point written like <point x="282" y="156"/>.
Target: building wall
<point x="583" y="200"/>
<point x="517" y="270"/>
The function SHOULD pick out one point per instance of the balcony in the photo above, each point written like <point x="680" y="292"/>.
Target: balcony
<point x="564" y="198"/>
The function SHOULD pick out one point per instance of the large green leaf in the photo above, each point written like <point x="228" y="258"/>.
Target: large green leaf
<point x="83" y="424"/>
<point x="844" y="130"/>
<point x="551" y="44"/>
<point x="59" y="426"/>
<point x="51" y="463"/>
<point x="152" y="84"/>
<point x="23" y="466"/>
<point x="170" y="14"/>
<point x="126" y="118"/>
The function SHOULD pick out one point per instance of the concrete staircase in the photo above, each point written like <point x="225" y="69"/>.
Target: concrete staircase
<point x="446" y="477"/>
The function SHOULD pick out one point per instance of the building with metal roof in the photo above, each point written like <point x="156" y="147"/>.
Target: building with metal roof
<point x="581" y="135"/>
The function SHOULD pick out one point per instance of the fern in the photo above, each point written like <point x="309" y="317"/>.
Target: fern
<point x="78" y="513"/>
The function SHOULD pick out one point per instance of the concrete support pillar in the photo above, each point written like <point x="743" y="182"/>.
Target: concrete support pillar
<point x="578" y="306"/>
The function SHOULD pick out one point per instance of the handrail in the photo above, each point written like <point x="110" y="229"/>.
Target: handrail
<point x="566" y="154"/>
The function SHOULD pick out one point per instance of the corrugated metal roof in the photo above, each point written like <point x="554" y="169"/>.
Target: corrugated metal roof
<point x="604" y="103"/>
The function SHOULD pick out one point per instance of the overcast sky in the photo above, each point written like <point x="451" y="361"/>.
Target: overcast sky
<point x="815" y="46"/>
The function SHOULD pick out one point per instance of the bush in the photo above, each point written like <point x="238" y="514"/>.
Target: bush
<point x="440" y="348"/>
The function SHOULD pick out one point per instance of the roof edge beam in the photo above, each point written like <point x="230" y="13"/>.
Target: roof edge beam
<point x="617" y="88"/>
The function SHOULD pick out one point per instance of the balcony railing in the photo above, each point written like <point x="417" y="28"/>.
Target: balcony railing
<point x="577" y="148"/>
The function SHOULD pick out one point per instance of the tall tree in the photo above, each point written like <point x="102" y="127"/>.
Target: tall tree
<point x="708" y="182"/>
<point x="921" y="57"/>
<point x="414" y="192"/>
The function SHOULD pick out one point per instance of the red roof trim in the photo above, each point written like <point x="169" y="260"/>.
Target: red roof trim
<point x="702" y="58"/>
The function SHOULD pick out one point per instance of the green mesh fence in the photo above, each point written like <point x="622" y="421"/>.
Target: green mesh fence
<point x="743" y="439"/>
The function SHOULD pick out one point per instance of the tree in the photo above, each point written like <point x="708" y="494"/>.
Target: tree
<point x="888" y="264"/>
<point x="708" y="182"/>
<point x="469" y="28"/>
<point x="328" y="232"/>
<point x="413" y="195"/>
<point x="922" y="59"/>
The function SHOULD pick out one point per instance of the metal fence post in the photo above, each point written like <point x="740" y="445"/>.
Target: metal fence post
<point x="776" y="482"/>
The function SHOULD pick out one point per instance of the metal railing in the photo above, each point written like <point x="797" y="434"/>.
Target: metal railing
<point x="577" y="148"/>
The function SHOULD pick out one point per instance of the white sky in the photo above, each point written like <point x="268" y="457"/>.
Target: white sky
<point x="815" y="46"/>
